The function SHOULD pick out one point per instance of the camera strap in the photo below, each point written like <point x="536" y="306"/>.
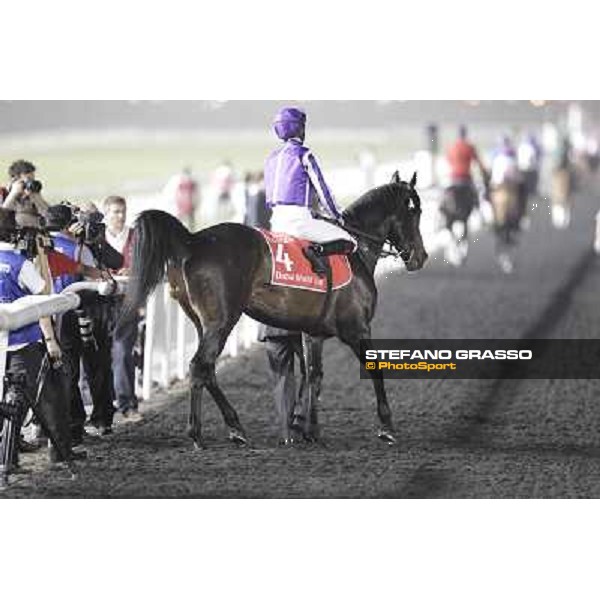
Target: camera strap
<point x="79" y="251"/>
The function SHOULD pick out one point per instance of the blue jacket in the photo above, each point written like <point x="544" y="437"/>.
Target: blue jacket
<point x="11" y="262"/>
<point x="292" y="176"/>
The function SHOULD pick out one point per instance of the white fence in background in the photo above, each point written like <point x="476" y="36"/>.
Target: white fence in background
<point x="171" y="341"/>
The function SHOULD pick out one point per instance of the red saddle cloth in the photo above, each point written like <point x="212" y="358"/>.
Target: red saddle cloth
<point x="291" y="268"/>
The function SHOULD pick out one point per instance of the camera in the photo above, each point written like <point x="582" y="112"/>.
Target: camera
<point x="93" y="228"/>
<point x="32" y="185"/>
<point x="86" y="328"/>
<point x="26" y="241"/>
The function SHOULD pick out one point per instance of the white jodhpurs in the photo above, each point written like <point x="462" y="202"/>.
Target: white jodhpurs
<point x="297" y="221"/>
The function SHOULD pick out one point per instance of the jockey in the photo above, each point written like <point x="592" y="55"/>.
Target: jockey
<point x="529" y="156"/>
<point x="292" y="179"/>
<point x="505" y="169"/>
<point x="460" y="157"/>
<point x="529" y="153"/>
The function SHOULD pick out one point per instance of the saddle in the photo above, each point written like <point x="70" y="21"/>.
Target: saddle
<point x="291" y="268"/>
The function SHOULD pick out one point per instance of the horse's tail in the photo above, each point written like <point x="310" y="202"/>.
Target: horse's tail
<point x="159" y="239"/>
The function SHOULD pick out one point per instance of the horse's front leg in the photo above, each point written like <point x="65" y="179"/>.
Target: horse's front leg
<point x="317" y="379"/>
<point x="386" y="430"/>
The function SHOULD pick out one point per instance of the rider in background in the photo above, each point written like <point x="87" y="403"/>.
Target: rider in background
<point x="460" y="156"/>
<point x="505" y="170"/>
<point x="461" y="196"/>
<point x="563" y="155"/>
<point x="506" y="182"/>
<point x="563" y="182"/>
<point x="292" y="178"/>
<point x="506" y="186"/>
<point x="529" y="158"/>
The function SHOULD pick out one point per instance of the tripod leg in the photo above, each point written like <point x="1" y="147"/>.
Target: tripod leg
<point x="11" y="411"/>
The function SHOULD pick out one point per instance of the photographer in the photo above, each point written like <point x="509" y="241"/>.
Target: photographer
<point x="120" y="237"/>
<point x="58" y="220"/>
<point x="24" y="195"/>
<point x="85" y="333"/>
<point x="26" y="351"/>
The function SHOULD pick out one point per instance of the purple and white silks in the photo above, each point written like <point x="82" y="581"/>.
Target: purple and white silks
<point x="292" y="178"/>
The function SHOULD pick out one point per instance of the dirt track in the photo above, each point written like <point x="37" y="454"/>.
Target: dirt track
<point x="457" y="438"/>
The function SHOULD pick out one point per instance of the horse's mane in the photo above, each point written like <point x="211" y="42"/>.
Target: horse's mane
<point x="375" y="204"/>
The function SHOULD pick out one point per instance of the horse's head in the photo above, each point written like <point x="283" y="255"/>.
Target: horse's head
<point x="404" y="220"/>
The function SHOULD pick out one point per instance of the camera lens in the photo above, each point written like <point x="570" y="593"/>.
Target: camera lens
<point x="33" y="185"/>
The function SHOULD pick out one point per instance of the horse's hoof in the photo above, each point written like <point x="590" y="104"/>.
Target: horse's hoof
<point x="296" y="439"/>
<point x="238" y="437"/>
<point x="387" y="436"/>
<point x="298" y="424"/>
<point x="311" y="438"/>
<point x="199" y="444"/>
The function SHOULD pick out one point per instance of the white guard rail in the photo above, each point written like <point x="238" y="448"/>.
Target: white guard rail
<point x="30" y="309"/>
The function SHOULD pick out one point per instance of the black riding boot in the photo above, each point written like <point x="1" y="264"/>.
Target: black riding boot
<point x="317" y="253"/>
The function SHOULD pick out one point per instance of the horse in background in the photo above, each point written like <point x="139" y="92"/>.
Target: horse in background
<point x="457" y="204"/>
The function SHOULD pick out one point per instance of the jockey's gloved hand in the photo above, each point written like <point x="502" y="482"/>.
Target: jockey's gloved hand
<point x="340" y="220"/>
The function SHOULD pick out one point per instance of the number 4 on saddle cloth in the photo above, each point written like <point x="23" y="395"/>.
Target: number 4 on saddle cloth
<point x="290" y="268"/>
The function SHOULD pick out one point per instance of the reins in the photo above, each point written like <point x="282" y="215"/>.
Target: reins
<point x="363" y="234"/>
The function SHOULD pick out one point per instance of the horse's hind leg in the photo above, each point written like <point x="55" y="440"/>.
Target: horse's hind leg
<point x="197" y="377"/>
<point x="203" y="375"/>
<point x="230" y="416"/>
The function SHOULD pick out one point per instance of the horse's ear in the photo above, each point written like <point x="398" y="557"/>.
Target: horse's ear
<point x="413" y="180"/>
<point x="396" y="177"/>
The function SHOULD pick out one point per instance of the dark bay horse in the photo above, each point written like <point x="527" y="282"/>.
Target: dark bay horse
<point x="223" y="271"/>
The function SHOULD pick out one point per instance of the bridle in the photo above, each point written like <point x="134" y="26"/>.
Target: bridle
<point x="392" y="250"/>
<point x="403" y="253"/>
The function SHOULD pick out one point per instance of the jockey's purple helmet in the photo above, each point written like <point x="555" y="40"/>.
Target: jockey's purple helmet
<point x="289" y="122"/>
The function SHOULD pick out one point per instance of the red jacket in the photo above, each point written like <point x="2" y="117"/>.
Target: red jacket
<point x="460" y="156"/>
<point x="60" y="264"/>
